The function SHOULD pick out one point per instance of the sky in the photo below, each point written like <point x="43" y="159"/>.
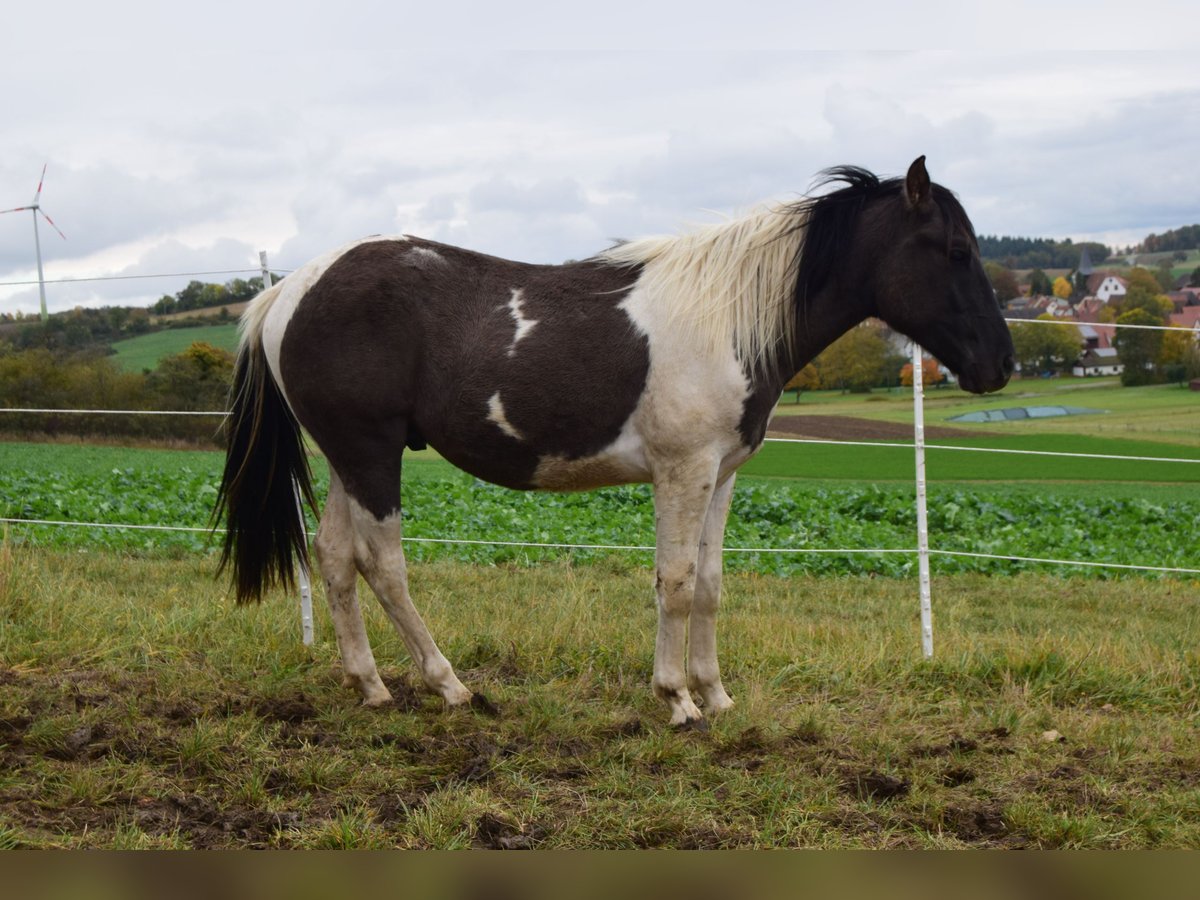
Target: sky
<point x="187" y="139"/>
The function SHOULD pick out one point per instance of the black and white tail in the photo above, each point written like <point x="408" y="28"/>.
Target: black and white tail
<point x="265" y="465"/>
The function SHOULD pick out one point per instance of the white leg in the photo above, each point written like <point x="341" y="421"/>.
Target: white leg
<point x="380" y="557"/>
<point x="334" y="548"/>
<point x="681" y="500"/>
<point x="704" y="673"/>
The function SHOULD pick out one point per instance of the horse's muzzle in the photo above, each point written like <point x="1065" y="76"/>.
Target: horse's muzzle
<point x="984" y="379"/>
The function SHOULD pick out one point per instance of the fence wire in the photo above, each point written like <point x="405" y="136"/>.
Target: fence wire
<point x="640" y="548"/>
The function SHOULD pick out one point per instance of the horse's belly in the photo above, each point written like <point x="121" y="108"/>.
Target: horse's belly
<point x="513" y="465"/>
<point x="558" y="473"/>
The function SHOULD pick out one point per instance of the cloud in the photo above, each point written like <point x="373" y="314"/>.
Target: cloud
<point x="162" y="150"/>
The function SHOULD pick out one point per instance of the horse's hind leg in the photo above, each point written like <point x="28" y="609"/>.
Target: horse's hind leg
<point x="704" y="674"/>
<point x="334" y="548"/>
<point x="380" y="557"/>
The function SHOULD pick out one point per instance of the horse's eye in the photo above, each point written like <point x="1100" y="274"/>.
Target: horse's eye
<point x="959" y="253"/>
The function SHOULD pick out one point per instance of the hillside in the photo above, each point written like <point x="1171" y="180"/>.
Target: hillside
<point x="144" y="352"/>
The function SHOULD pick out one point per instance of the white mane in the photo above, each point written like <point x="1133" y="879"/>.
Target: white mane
<point x="729" y="284"/>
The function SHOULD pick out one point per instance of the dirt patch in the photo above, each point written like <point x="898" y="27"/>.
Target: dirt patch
<point x="289" y="710"/>
<point x="982" y="823"/>
<point x="493" y="833"/>
<point x="691" y="837"/>
<point x="852" y="428"/>
<point x="876" y="786"/>
<point x="629" y="728"/>
<point x="206" y="825"/>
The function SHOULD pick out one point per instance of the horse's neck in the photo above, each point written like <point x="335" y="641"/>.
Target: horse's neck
<point x="828" y="315"/>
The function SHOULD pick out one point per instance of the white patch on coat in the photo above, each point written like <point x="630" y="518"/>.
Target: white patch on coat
<point x="524" y="325"/>
<point x="268" y="314"/>
<point x="692" y="406"/>
<point x="423" y="256"/>
<point x="496" y="415"/>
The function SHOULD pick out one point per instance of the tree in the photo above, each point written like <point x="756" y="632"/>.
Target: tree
<point x="856" y="361"/>
<point x="196" y="379"/>
<point x="1039" y="284"/>
<point x="931" y="372"/>
<point x="1139" y="349"/>
<point x="1179" y="356"/>
<point x="807" y="379"/>
<point x="1194" y="281"/>
<point x="1177" y="239"/>
<point x="1145" y="293"/>
<point x="1040" y="348"/>
<point x="1165" y="276"/>
<point x="1062" y="288"/>
<point x="1004" y="282"/>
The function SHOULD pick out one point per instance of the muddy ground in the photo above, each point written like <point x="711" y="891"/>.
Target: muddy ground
<point x="97" y="756"/>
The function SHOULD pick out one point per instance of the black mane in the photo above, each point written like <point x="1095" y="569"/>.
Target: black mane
<point x="831" y="219"/>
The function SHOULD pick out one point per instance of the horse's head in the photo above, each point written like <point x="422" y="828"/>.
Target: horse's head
<point x="917" y="253"/>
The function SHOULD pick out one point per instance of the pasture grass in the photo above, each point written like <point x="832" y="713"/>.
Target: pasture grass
<point x="139" y="708"/>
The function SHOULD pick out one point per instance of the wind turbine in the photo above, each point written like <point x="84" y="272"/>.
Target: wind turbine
<point x="35" y="208"/>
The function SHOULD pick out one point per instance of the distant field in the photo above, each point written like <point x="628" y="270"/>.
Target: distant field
<point x="825" y="461"/>
<point x="144" y="352"/>
<point x="1165" y="413"/>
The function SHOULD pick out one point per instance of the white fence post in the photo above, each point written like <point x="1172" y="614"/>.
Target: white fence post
<point x="266" y="273"/>
<point x="306" y="612"/>
<point x="306" y="615"/>
<point x="922" y="517"/>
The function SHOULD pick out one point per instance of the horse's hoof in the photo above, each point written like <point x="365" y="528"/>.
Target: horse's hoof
<point x="700" y="725"/>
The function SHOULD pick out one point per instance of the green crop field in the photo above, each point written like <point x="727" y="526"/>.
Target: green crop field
<point x="1128" y="522"/>
<point x="144" y="352"/>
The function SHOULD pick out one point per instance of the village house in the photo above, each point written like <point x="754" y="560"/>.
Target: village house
<point x="1095" y="334"/>
<point x="1184" y="298"/>
<point x="1105" y="286"/>
<point x="1188" y="317"/>
<point x="1097" y="361"/>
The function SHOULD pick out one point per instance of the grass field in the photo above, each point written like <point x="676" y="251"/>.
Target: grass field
<point x="144" y="352"/>
<point x="138" y="708"/>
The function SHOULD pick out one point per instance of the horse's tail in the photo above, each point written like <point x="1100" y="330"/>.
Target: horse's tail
<point x="266" y="472"/>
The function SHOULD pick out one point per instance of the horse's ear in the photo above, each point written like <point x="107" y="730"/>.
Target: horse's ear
<point x="916" y="184"/>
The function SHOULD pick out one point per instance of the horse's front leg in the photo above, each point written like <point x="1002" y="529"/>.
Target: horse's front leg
<point x="681" y="500"/>
<point x="704" y="673"/>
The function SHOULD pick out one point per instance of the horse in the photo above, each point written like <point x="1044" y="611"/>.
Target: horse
<point x="658" y="360"/>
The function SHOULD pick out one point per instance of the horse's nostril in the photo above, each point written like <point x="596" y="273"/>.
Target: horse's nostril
<point x="1008" y="364"/>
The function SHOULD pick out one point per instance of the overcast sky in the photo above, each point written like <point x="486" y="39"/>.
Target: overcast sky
<point x="188" y="138"/>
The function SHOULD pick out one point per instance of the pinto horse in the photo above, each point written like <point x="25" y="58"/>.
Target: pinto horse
<point x="659" y="360"/>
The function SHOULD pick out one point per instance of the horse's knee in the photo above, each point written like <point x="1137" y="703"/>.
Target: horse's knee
<point x="676" y="587"/>
<point x="376" y="561"/>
